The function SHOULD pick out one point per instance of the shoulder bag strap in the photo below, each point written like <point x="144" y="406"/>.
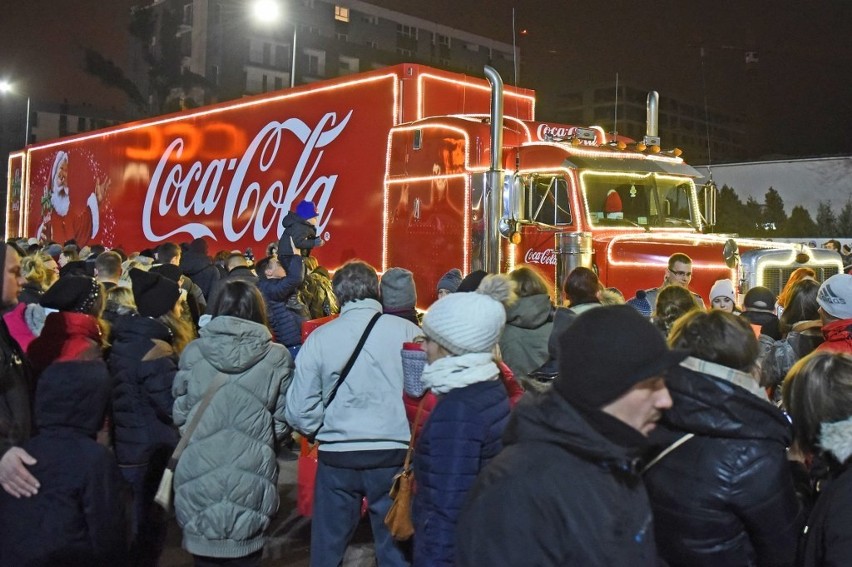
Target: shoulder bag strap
<point x="668" y="450"/>
<point x="413" y="433"/>
<point x="218" y="382"/>
<point x="345" y="372"/>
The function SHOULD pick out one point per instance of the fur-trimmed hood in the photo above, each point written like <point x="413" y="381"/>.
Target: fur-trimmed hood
<point x="836" y="438"/>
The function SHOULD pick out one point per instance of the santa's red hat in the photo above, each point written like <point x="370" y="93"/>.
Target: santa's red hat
<point x="613" y="202"/>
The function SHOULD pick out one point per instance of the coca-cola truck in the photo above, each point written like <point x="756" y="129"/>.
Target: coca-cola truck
<point x="408" y="166"/>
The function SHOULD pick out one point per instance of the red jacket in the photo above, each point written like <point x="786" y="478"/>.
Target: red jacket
<point x="838" y="336"/>
<point x="66" y="337"/>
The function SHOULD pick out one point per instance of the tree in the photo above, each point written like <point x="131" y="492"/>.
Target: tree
<point x="826" y="221"/>
<point x="731" y="215"/>
<point x="800" y="224"/>
<point x="844" y="220"/>
<point x="754" y="214"/>
<point x="773" y="212"/>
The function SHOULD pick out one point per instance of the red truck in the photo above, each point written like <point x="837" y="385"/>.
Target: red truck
<point x="408" y="166"/>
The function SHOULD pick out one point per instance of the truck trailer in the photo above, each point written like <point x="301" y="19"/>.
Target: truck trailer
<point x="408" y="166"/>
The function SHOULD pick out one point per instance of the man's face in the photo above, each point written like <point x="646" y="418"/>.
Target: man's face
<point x="830" y="246"/>
<point x="12" y="278"/>
<point x="642" y="405"/>
<point x="274" y="270"/>
<point x="679" y="274"/>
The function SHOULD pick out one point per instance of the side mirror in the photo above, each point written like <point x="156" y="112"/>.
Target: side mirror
<point x="731" y="253"/>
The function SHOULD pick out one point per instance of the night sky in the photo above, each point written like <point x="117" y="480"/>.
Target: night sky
<point x="797" y="94"/>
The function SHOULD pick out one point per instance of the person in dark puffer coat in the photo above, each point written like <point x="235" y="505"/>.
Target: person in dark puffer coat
<point x="726" y="495"/>
<point x="197" y="266"/>
<point x="818" y="394"/>
<point x="278" y="286"/>
<point x="465" y="427"/>
<point x="77" y="516"/>
<point x="143" y="363"/>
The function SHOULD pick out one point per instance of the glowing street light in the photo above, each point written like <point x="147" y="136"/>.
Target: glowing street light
<point x="7" y="87"/>
<point x="269" y="13"/>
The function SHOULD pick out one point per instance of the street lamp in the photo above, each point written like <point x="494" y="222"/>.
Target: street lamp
<point x="6" y="87"/>
<point x="269" y="13"/>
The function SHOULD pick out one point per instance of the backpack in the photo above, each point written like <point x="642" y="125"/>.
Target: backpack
<point x="318" y="296"/>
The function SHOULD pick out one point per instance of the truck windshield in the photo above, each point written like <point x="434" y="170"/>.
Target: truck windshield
<point x="646" y="200"/>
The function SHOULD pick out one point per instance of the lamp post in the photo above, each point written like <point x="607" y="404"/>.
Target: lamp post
<point x="6" y="87"/>
<point x="268" y="13"/>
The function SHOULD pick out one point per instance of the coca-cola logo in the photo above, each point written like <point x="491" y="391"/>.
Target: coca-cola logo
<point x="177" y="189"/>
<point x="549" y="132"/>
<point x="545" y="257"/>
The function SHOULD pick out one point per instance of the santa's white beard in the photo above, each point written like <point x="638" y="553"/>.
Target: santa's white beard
<point x="60" y="202"/>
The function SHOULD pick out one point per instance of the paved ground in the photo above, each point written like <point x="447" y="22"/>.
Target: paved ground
<point x="289" y="536"/>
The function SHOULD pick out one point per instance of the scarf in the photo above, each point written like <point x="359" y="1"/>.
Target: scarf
<point x="453" y="372"/>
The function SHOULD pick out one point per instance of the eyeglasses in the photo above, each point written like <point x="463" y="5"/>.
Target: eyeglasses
<point x="681" y="274"/>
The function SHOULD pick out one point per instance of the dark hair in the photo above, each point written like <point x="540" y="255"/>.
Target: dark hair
<point x="673" y="301"/>
<point x="678" y="257"/>
<point x="355" y="280"/>
<point x="582" y="286"/>
<point x="167" y="251"/>
<point x="716" y="336"/>
<point x="817" y="390"/>
<point x="108" y="264"/>
<point x="529" y="282"/>
<point x="801" y="304"/>
<point x="238" y="298"/>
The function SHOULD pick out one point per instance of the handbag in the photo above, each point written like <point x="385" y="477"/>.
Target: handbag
<point x="306" y="467"/>
<point x="398" y="518"/>
<point x="163" y="497"/>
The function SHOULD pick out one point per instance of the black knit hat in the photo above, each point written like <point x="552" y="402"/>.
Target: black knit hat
<point x="759" y="297"/>
<point x="74" y="293"/>
<point x="472" y="281"/>
<point x="608" y="350"/>
<point x="155" y="294"/>
<point x="169" y="271"/>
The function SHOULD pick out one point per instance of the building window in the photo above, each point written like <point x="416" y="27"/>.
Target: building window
<point x="405" y="52"/>
<point x="370" y="19"/>
<point x="406" y="31"/>
<point x="472" y="47"/>
<point x="282" y="56"/>
<point x="264" y="83"/>
<point x="81" y="124"/>
<point x="187" y="14"/>
<point x="348" y="65"/>
<point x="315" y="62"/>
<point x="342" y="36"/>
<point x="267" y="53"/>
<point x="279" y="83"/>
<point x="341" y="14"/>
<point x="255" y="52"/>
<point x="373" y="44"/>
<point x="441" y="40"/>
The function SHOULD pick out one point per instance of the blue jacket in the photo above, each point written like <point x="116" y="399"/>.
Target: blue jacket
<point x="143" y="366"/>
<point x="286" y="324"/>
<point x="462" y="435"/>
<point x="77" y="517"/>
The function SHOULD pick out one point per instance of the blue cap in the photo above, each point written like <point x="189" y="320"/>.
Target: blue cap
<point x="306" y="210"/>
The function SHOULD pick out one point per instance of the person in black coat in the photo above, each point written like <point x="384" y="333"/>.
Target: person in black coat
<point x="197" y="266"/>
<point x="278" y="286"/>
<point x="566" y="489"/>
<point x="724" y="496"/>
<point x="77" y="517"/>
<point x="818" y="394"/>
<point x="143" y="363"/>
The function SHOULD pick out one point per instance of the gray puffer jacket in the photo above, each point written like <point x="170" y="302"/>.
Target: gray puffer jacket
<point x="226" y="480"/>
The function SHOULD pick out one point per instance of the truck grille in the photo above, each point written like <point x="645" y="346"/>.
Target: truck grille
<point x="775" y="278"/>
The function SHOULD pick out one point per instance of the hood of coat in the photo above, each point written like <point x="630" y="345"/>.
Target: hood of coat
<point x="132" y="334"/>
<point x="63" y="325"/>
<point x="232" y="344"/>
<point x="292" y="219"/>
<point x="838" y="331"/>
<point x="836" y="438"/>
<point x="192" y="263"/>
<point x="549" y="418"/>
<point x="529" y="312"/>
<point x="72" y="395"/>
<point x="707" y="405"/>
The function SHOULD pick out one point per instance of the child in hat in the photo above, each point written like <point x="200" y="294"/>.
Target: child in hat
<point x="300" y="231"/>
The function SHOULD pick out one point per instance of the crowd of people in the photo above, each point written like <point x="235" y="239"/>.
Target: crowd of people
<point x="651" y="431"/>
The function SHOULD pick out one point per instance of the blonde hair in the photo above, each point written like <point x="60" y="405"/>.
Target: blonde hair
<point x="528" y="282"/>
<point x="34" y="270"/>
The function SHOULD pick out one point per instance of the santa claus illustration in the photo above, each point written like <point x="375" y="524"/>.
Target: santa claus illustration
<point x="56" y="223"/>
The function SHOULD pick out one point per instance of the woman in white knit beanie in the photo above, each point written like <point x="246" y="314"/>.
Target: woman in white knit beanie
<point x="465" y="428"/>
